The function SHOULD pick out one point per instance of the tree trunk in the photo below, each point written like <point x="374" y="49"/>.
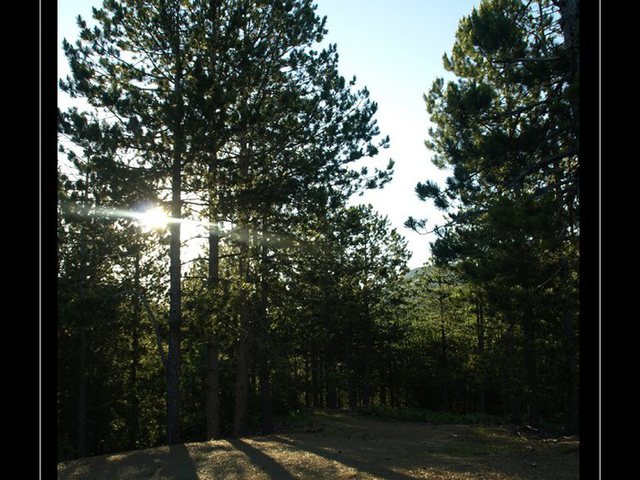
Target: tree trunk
<point x="443" y="359"/>
<point x="351" y="380"/>
<point x="481" y="359"/>
<point x="572" y="403"/>
<point x="570" y="22"/>
<point x="213" y="397"/>
<point x="367" y="354"/>
<point x="307" y="391"/>
<point x="173" y="356"/>
<point x="508" y="379"/>
<point x="240" y="423"/>
<point x="382" y="389"/>
<point x="134" y="403"/>
<point x="315" y="384"/>
<point x="530" y="366"/>
<point x="322" y="382"/>
<point x="82" y="394"/>
<point x="393" y="396"/>
<point x="213" y="381"/>
<point x="368" y="327"/>
<point x="265" y="392"/>
<point x="264" y="342"/>
<point x="265" y="398"/>
<point x="264" y="367"/>
<point x="82" y="354"/>
<point x="175" y="294"/>
<point x="332" y="391"/>
<point x="366" y="383"/>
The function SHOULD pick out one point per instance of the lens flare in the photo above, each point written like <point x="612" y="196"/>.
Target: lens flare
<point x="154" y="219"/>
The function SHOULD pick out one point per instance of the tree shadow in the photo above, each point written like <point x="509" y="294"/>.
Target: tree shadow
<point x="262" y="461"/>
<point x="180" y="465"/>
<point x="173" y="462"/>
<point x="344" y="459"/>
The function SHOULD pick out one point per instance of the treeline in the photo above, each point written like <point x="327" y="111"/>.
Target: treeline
<point x="228" y="115"/>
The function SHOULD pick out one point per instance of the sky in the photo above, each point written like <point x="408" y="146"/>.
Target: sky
<point x="395" y="49"/>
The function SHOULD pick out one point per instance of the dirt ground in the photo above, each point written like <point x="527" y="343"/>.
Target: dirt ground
<point x="339" y="446"/>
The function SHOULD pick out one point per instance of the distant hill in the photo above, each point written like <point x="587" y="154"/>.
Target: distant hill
<point x="413" y="272"/>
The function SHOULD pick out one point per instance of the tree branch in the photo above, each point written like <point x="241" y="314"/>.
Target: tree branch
<point x="156" y="327"/>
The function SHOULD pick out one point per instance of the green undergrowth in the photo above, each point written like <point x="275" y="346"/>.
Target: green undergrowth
<point x="421" y="415"/>
<point x="297" y="418"/>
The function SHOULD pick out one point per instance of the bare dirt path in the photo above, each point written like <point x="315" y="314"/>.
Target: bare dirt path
<point x="340" y="446"/>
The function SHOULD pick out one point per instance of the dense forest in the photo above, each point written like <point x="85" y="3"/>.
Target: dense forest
<point x="229" y="117"/>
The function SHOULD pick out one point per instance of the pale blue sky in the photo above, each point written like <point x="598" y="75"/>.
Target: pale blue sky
<point x="395" y="49"/>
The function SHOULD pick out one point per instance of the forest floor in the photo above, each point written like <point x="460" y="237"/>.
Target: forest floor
<point x="340" y="446"/>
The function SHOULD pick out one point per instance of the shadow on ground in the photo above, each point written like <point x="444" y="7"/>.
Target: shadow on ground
<point x="173" y="462"/>
<point x="268" y="465"/>
<point x="344" y="447"/>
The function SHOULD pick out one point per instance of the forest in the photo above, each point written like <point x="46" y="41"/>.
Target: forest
<point x="215" y="275"/>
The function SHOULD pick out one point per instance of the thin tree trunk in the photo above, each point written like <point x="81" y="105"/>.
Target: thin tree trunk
<point x="443" y="358"/>
<point x="569" y="22"/>
<point x="265" y="398"/>
<point x="82" y="354"/>
<point x="332" y="391"/>
<point x="530" y="366"/>
<point x="307" y="392"/>
<point x="508" y="379"/>
<point x="315" y="387"/>
<point x="264" y="342"/>
<point x="240" y="423"/>
<point x="393" y="396"/>
<point x="213" y="380"/>
<point x="173" y="357"/>
<point x="82" y="393"/>
<point x="322" y="382"/>
<point x="367" y="353"/>
<point x="134" y="402"/>
<point x="213" y="388"/>
<point x="366" y="383"/>
<point x="382" y="388"/>
<point x="351" y="380"/>
<point x="480" y="331"/>
<point x="175" y="294"/>
<point x="213" y="374"/>
<point x="156" y="327"/>
<point x="572" y="403"/>
<point x="368" y="341"/>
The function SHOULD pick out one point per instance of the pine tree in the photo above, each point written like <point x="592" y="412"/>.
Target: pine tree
<point x="135" y="66"/>
<point x="508" y="129"/>
<point x="98" y="308"/>
<point x="282" y="143"/>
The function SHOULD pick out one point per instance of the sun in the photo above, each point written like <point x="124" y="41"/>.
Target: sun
<point x="154" y="219"/>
